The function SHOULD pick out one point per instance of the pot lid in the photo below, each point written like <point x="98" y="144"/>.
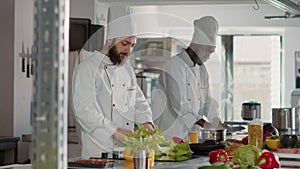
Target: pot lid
<point x="251" y="103"/>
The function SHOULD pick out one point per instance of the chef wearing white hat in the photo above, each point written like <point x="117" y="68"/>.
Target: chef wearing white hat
<point x="106" y="99"/>
<point x="182" y="98"/>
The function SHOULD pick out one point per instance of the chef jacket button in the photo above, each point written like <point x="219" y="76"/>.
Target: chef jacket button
<point x="198" y="84"/>
<point x="127" y="124"/>
<point x="116" y="144"/>
<point x="124" y="85"/>
<point x="125" y="104"/>
<point x="189" y="84"/>
<point x="114" y="105"/>
<point x="189" y="99"/>
<point x="112" y="85"/>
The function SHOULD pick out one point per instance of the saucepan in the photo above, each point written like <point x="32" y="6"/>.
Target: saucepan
<point x="217" y="135"/>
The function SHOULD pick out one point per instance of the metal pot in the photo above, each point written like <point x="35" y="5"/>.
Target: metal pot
<point x="285" y="118"/>
<point x="212" y="135"/>
<point x="250" y="110"/>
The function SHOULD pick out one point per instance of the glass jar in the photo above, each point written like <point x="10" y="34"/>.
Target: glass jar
<point x="255" y="133"/>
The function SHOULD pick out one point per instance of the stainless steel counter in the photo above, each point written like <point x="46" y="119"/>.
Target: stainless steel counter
<point x="121" y="164"/>
<point x="193" y="163"/>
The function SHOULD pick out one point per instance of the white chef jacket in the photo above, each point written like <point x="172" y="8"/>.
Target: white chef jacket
<point x="182" y="97"/>
<point x="105" y="97"/>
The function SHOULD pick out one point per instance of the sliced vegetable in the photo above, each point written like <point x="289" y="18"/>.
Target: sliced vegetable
<point x="218" y="156"/>
<point x="265" y="136"/>
<point x="268" y="160"/>
<point x="178" y="140"/>
<point x="245" y="140"/>
<point x="274" y="137"/>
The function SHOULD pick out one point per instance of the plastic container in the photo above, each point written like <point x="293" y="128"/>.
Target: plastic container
<point x="255" y="133"/>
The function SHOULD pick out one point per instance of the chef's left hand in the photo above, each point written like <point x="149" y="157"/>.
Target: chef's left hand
<point x="222" y="125"/>
<point x="149" y="126"/>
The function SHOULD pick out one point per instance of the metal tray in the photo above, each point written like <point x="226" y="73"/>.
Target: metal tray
<point x="205" y="148"/>
<point x="91" y="163"/>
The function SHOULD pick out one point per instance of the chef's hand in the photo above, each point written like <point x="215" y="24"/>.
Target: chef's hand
<point x="203" y="123"/>
<point x="149" y="126"/>
<point x="222" y="125"/>
<point x="120" y="133"/>
<point x="216" y="124"/>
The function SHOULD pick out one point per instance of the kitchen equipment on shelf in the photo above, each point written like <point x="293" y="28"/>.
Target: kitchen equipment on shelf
<point x="251" y="110"/>
<point x="283" y="119"/>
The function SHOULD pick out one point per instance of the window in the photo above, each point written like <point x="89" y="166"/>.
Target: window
<point x="251" y="70"/>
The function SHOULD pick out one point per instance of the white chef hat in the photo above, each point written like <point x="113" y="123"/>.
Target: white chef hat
<point x="205" y="31"/>
<point x="121" y="22"/>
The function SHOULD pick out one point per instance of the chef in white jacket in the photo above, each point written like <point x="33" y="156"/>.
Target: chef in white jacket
<point x="182" y="99"/>
<point x="106" y="98"/>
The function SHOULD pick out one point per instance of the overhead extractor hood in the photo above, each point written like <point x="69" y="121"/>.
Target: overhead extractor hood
<point x="291" y="9"/>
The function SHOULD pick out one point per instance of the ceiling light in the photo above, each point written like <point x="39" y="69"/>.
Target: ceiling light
<point x="285" y="5"/>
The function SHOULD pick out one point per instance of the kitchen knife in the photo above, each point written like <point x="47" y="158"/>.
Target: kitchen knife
<point x="28" y="56"/>
<point x="22" y="55"/>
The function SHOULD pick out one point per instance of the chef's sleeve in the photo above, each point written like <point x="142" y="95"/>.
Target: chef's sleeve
<point x="87" y="112"/>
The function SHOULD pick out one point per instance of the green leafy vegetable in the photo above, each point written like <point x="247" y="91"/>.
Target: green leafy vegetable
<point x="164" y="149"/>
<point x="247" y="156"/>
<point x="179" y="152"/>
<point x="274" y="137"/>
<point x="143" y="140"/>
<point x="298" y="144"/>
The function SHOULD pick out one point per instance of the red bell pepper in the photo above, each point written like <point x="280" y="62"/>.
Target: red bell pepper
<point x="265" y="136"/>
<point x="218" y="156"/>
<point x="268" y="160"/>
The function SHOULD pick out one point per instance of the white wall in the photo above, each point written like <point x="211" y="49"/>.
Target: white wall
<point x="22" y="85"/>
<point x="82" y="9"/>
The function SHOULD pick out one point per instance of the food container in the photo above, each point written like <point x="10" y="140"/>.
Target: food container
<point x="273" y="144"/>
<point x="212" y="134"/>
<point x="251" y="110"/>
<point x="255" y="133"/>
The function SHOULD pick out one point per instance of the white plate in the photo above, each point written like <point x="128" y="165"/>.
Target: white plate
<point x="286" y="155"/>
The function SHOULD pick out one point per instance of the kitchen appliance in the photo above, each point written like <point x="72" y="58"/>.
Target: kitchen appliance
<point x="295" y="103"/>
<point x="284" y="119"/>
<point x="251" y="110"/>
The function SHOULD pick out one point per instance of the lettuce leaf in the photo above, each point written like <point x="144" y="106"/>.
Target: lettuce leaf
<point x="247" y="156"/>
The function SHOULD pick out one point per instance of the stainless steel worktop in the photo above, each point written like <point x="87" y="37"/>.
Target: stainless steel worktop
<point x="121" y="164"/>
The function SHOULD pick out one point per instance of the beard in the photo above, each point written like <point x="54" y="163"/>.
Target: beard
<point x="117" y="58"/>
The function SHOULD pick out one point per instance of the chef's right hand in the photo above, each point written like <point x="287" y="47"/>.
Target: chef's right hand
<point x="120" y="134"/>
